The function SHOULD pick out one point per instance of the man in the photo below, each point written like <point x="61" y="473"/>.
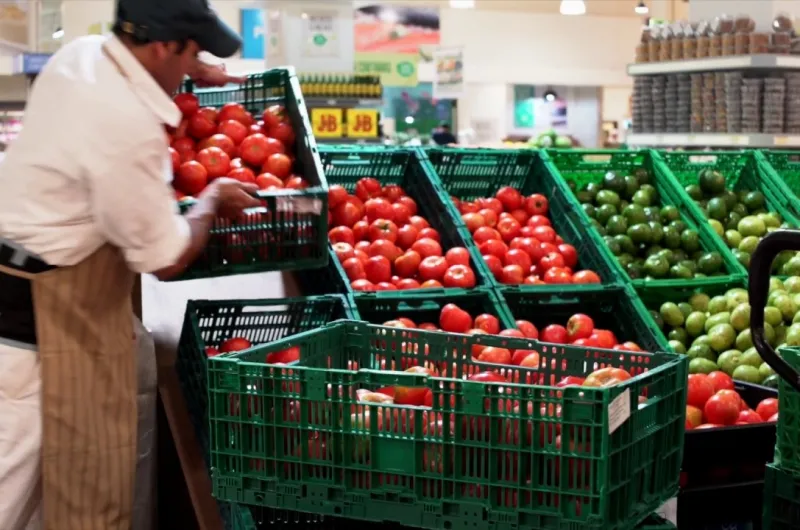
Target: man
<point x="85" y="204"/>
<point x="443" y="136"/>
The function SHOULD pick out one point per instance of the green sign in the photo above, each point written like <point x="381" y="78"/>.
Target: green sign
<point x="395" y="69"/>
<point x="523" y="106"/>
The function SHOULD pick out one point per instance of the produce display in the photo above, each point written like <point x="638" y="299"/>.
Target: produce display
<point x="230" y="142"/>
<point x="384" y="244"/>
<point x="712" y="402"/>
<point x="517" y="241"/>
<point x="740" y="218"/>
<point x="714" y="331"/>
<point x="648" y="238"/>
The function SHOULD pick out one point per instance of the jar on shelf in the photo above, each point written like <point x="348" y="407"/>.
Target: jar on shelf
<point x="665" y="51"/>
<point x="759" y="43"/>
<point x="780" y="43"/>
<point x="741" y="44"/>
<point x="744" y="24"/>
<point x="729" y="44"/>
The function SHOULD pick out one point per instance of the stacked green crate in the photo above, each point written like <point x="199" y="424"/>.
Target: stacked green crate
<point x="305" y="440"/>
<point x="469" y="174"/>
<point x="735" y="194"/>
<point x="637" y="225"/>
<point x="784" y="167"/>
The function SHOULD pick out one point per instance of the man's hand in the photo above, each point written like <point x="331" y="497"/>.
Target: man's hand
<point x="233" y="196"/>
<point x="213" y="75"/>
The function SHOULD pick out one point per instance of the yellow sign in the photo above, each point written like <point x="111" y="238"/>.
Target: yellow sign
<point x="395" y="69"/>
<point x="326" y="123"/>
<point x="362" y="123"/>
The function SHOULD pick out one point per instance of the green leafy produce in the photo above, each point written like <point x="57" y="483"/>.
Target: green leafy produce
<point x="649" y="239"/>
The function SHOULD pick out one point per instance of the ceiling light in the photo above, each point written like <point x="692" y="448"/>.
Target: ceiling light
<point x="303" y="15"/>
<point x="550" y="95"/>
<point x="572" y="7"/>
<point x="462" y="4"/>
<point x="57" y="34"/>
<point x="641" y="8"/>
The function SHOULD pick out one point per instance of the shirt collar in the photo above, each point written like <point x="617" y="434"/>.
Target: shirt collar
<point x="143" y="83"/>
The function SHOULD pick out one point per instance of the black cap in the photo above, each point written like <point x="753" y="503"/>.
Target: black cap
<point x="171" y="20"/>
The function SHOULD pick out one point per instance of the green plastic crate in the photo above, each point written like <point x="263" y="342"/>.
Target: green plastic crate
<point x="469" y="174"/>
<point x="211" y="322"/>
<point x="656" y="522"/>
<point x="784" y="167"/>
<point x="743" y="171"/>
<point x="613" y="308"/>
<point x="236" y="516"/>
<point x="291" y="230"/>
<point x="781" y="498"/>
<point x="653" y="296"/>
<point x="787" y="448"/>
<point x="425" y="307"/>
<point x="305" y="443"/>
<point x="242" y="517"/>
<point x="404" y="167"/>
<point x="582" y="166"/>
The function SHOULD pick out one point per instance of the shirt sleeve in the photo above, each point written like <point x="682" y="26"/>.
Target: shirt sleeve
<point x="135" y="208"/>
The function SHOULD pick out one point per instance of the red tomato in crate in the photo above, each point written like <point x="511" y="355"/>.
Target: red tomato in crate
<point x="605" y="377"/>
<point x="721" y="410"/>
<point x="235" y="344"/>
<point x="187" y="103"/>
<point x="216" y="162"/>
<point x="699" y="390"/>
<point x="767" y="408"/>
<point x="192" y="178"/>
<point x="279" y="165"/>
<point x="235" y="112"/>
<point x="202" y="124"/>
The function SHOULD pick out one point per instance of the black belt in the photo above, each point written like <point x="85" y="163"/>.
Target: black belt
<point x="17" y="318"/>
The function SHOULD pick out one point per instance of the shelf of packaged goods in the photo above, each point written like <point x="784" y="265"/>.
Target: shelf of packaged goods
<point x="712" y="140"/>
<point x="715" y="64"/>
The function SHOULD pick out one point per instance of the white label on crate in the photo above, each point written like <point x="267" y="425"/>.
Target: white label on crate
<point x="302" y="205"/>
<point x="619" y="411"/>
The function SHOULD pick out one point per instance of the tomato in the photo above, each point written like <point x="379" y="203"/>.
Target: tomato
<point x="354" y="269"/>
<point x="295" y="183"/>
<point x="512" y="274"/>
<point x="266" y="181"/>
<point x="393" y="192"/>
<point x="555" y="334"/>
<point x="510" y="198"/>
<point x="493" y="247"/>
<point x="409" y="203"/>
<point x="235" y="344"/>
<point x="187" y="103"/>
<point x="176" y="160"/>
<point x="211" y="351"/>
<point x="347" y="214"/>
<point x="274" y="115"/>
<point x="289" y="355"/>
<point x="401" y="215"/>
<point x="579" y="326"/>
<point x="767" y="408"/>
<point x="343" y="251"/>
<point x="363" y="285"/>
<point x="427" y="247"/>
<point x="707" y="426"/>
<point x="527" y="329"/>
<point x="749" y="416"/>
<point x="733" y="395"/>
<point x="569" y="254"/>
<point x="183" y="145"/>
<point x="536" y="204"/>
<point x="721" y="410"/>
<point x="407" y="264"/>
<point x="517" y="256"/>
<point x="336" y="195"/>
<point x="459" y="276"/>
<point x="235" y="112"/>
<point x="429" y="233"/>
<point x="495" y="355"/>
<point x="457" y="256"/>
<point x="694" y="416"/>
<point x="255" y="149"/>
<point x="383" y="229"/>
<point x="551" y="260"/>
<point x="341" y="234"/>
<point x="488" y="377"/>
<point x="432" y="268"/>
<point x="484" y="233"/>
<point x="368" y="188"/>
<point x="508" y="228"/>
<point x="557" y="275"/>
<point x="242" y="174"/>
<point x="192" y="178"/>
<point x="378" y="269"/>
<point x="721" y="381"/>
<point x="538" y="220"/>
<point x="605" y="377"/>
<point x="699" y="390"/>
<point x="216" y="162"/>
<point x="385" y="248"/>
<point x="585" y="277"/>
<point x="279" y="165"/>
<point x="570" y="380"/>
<point x="773" y="418"/>
<point x="282" y="132"/>
<point x="488" y="323"/>
<point x="473" y="221"/>
<point x="604" y="338"/>
<point x="221" y="141"/>
<point x="202" y="125"/>
<point x="454" y="319"/>
<point x="406" y="236"/>
<point x="494" y="264"/>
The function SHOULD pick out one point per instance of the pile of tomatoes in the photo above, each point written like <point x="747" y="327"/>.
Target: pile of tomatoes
<point x="712" y="402"/>
<point x="516" y="239"/>
<point x="231" y="142"/>
<point x="384" y="244"/>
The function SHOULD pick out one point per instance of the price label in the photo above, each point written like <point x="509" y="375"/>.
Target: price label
<point x="362" y="123"/>
<point x="326" y="123"/>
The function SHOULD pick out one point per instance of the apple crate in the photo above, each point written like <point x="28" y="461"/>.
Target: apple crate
<point x="784" y="168"/>
<point x="290" y="230"/>
<point x="578" y="167"/>
<point x="469" y="174"/>
<point x="406" y="168"/>
<point x="485" y="455"/>
<point x="616" y="309"/>
<point x="208" y="323"/>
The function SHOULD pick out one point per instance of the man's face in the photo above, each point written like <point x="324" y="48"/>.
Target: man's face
<point x="174" y="63"/>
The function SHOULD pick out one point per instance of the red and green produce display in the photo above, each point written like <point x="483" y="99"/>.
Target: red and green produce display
<point x="713" y="402"/>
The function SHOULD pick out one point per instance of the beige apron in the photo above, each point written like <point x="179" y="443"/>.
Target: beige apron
<point x="84" y="329"/>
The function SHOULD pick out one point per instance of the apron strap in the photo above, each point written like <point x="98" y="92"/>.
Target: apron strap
<point x="17" y="273"/>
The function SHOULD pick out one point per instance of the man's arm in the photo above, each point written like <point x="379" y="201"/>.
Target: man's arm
<point x="136" y="210"/>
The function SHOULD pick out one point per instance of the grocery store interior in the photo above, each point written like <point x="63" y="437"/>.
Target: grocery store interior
<point x="517" y="265"/>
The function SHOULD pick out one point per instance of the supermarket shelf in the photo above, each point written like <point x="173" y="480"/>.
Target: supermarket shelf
<point x="713" y="140"/>
<point x="342" y="102"/>
<point x="713" y="64"/>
